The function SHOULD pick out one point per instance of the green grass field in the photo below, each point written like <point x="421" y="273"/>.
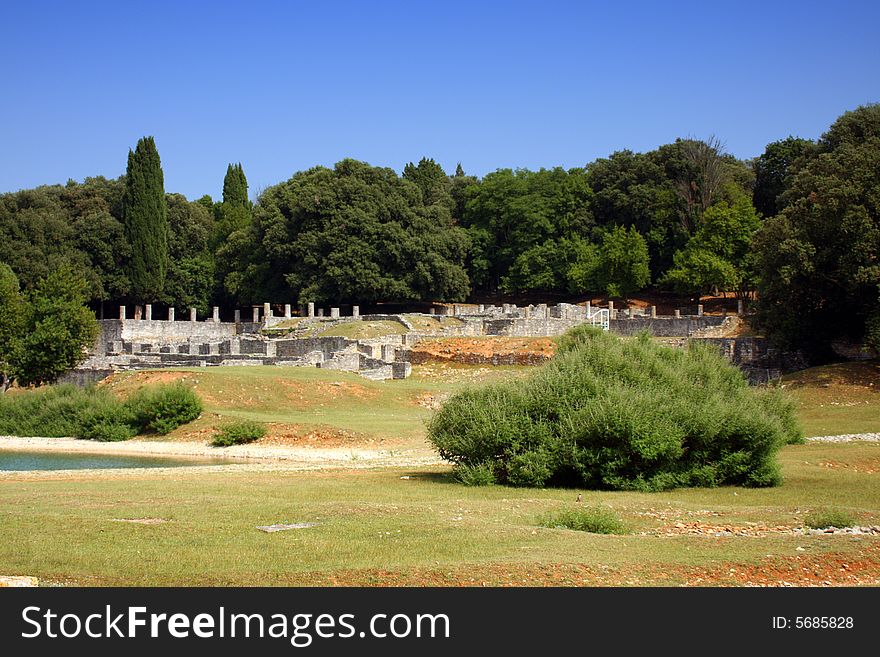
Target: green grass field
<point x="378" y="527"/>
<point x="406" y="526"/>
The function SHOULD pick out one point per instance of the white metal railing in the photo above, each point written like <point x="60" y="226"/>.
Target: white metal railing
<point x="599" y="317"/>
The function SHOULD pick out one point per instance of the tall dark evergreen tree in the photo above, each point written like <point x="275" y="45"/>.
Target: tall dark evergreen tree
<point x="145" y="216"/>
<point x="235" y="187"/>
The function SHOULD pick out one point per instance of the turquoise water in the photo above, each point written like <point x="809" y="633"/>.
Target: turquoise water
<point x="21" y="460"/>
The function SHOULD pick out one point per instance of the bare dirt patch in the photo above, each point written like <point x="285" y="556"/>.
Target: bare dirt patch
<point x="484" y="351"/>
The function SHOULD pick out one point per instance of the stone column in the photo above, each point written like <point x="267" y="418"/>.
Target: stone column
<point x="287" y="314"/>
<point x="271" y="348"/>
<point x="740" y="307"/>
<point x="234" y="346"/>
<point x="431" y="311"/>
<point x="121" y="312"/>
<point x="528" y="312"/>
<point x="611" y="314"/>
<point x="256" y="314"/>
<point x="311" y="309"/>
<point x="482" y="308"/>
<point x="356" y="311"/>
<point x="148" y="312"/>
<point x="653" y="312"/>
<point x="699" y="310"/>
<point x="589" y="310"/>
<point x="192" y="314"/>
<point x="216" y="316"/>
<point x="238" y="316"/>
<point x="320" y="312"/>
<point x="267" y="311"/>
<point x="171" y="314"/>
<point x="677" y="314"/>
<point x="334" y="313"/>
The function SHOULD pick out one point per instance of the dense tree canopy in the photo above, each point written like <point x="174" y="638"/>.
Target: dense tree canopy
<point x="354" y="233"/>
<point x="45" y="331"/>
<point x="799" y="223"/>
<point x="819" y="260"/>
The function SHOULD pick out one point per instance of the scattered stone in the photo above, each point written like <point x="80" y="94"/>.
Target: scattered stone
<point x="872" y="530"/>
<point x="141" y="521"/>
<point x="17" y="581"/>
<point x="846" y="438"/>
<point x="269" y="529"/>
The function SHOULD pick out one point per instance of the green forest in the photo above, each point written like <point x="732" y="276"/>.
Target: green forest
<point x="797" y="228"/>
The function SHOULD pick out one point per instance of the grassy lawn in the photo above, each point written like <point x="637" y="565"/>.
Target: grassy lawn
<point x="312" y="398"/>
<point x="411" y="527"/>
<point x="415" y="526"/>
<point x="838" y="399"/>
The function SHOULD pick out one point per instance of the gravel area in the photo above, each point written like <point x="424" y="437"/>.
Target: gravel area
<point x="846" y="438"/>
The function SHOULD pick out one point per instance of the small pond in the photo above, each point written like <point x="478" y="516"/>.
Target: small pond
<point x="23" y="460"/>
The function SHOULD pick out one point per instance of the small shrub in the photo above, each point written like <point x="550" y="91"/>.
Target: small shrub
<point x="163" y="408"/>
<point x="829" y="518"/>
<point x="594" y="520"/>
<point x="474" y="475"/>
<point x="239" y="433"/>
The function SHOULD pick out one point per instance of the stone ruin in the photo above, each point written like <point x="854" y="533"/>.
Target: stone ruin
<point x="269" y="339"/>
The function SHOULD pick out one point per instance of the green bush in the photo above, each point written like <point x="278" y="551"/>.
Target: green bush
<point x="625" y="414"/>
<point x="51" y="411"/>
<point x="594" y="520"/>
<point x="829" y="518"/>
<point x="474" y="475"/>
<point x="163" y="408"/>
<point x="95" y="413"/>
<point x="238" y="433"/>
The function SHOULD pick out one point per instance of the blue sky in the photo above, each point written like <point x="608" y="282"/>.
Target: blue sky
<point x="283" y="86"/>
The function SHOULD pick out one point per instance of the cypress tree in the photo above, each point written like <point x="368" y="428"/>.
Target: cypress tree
<point x="235" y="187"/>
<point x="145" y="217"/>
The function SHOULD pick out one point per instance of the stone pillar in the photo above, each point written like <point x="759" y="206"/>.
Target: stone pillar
<point x="215" y="317"/>
<point x="589" y="310"/>
<point x="356" y="311"/>
<point x="320" y="312"/>
<point x="194" y="345"/>
<point x="287" y="314"/>
<point x="267" y="311"/>
<point x="214" y="348"/>
<point x="528" y="312"/>
<point x="431" y="311"/>
<point x="121" y="312"/>
<point x="192" y="315"/>
<point x="256" y="314"/>
<point x="740" y="307"/>
<point x="542" y="310"/>
<point x="611" y="314"/>
<point x="677" y="314"/>
<point x="234" y="346"/>
<point x="482" y="308"/>
<point x="311" y="309"/>
<point x="653" y="312"/>
<point x="237" y="316"/>
<point x="148" y="312"/>
<point x="699" y="310"/>
<point x="171" y="314"/>
<point x="389" y="352"/>
<point x="334" y="313"/>
<point x="271" y="348"/>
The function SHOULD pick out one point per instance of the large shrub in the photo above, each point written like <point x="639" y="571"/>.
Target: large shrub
<point x="95" y="413"/>
<point x="625" y="414"/>
<point x="239" y="433"/>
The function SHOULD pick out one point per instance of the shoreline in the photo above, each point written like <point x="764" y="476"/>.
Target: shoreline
<point x="238" y="455"/>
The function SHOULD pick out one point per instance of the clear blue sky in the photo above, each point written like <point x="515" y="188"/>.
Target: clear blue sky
<point x="283" y="86"/>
